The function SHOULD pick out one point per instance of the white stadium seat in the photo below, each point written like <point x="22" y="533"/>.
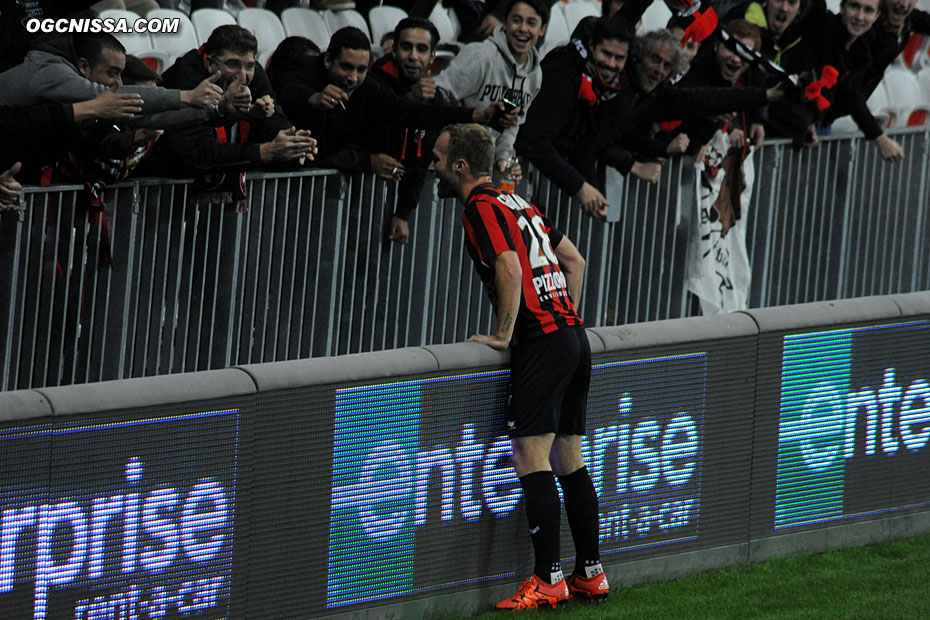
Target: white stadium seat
<point x="340" y="19"/>
<point x="576" y="11"/>
<point x="558" y="32"/>
<point x="655" y="18"/>
<point x="266" y="27"/>
<point x="207" y="20"/>
<point x="134" y="42"/>
<point x="878" y="105"/>
<point x="448" y="32"/>
<point x="905" y="98"/>
<point x="383" y="19"/>
<point x="300" y="22"/>
<point x="178" y="43"/>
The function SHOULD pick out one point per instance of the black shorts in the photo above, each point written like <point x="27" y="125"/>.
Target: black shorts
<point x="549" y="379"/>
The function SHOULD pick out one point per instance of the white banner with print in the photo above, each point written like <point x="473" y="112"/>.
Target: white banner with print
<point x="718" y="270"/>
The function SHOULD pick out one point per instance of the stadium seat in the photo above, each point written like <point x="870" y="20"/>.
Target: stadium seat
<point x="340" y="19"/>
<point x="300" y="22"/>
<point x="576" y="11"/>
<point x="266" y="27"/>
<point x="383" y="19"/>
<point x="878" y="105"/>
<point x="558" y="32"/>
<point x="207" y="20"/>
<point x="176" y="43"/>
<point x="441" y="18"/>
<point x="923" y="80"/>
<point x="916" y="46"/>
<point x="905" y="98"/>
<point x="135" y="43"/>
<point x="655" y="18"/>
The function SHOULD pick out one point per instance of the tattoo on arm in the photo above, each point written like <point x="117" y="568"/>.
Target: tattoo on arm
<point x="506" y="323"/>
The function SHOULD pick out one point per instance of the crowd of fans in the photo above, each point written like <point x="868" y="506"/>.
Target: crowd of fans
<point x="77" y="108"/>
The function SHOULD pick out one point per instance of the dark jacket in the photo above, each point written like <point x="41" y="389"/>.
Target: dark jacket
<point x="560" y="135"/>
<point x="35" y="135"/>
<point x="565" y="135"/>
<point x="209" y="145"/>
<point x="705" y="72"/>
<point x="411" y="145"/>
<point x="884" y="44"/>
<point x="344" y="134"/>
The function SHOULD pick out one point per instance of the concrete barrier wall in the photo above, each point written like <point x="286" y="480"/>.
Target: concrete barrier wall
<point x="378" y="484"/>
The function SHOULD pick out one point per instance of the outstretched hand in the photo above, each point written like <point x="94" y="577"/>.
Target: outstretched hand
<point x="10" y="189"/>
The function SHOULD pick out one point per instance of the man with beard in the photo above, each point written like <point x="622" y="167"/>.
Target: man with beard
<point x="533" y="275"/>
<point x="406" y="73"/>
<point x="886" y="40"/>
<point x="580" y="82"/>
<point x="505" y="67"/>
<point x="257" y="133"/>
<point x="331" y="96"/>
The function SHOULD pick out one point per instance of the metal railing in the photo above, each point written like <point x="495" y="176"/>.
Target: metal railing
<point x="306" y="271"/>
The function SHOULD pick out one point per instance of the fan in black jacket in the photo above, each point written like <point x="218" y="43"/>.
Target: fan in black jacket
<point x="406" y="74"/>
<point x="258" y="134"/>
<point x="330" y="96"/>
<point x="886" y="40"/>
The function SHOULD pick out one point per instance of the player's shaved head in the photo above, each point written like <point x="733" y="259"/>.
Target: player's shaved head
<point x="473" y="144"/>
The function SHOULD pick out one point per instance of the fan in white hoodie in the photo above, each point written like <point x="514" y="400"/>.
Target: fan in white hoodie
<point x="504" y="66"/>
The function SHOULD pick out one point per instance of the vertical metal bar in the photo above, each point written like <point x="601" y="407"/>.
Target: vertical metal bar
<point x="920" y="253"/>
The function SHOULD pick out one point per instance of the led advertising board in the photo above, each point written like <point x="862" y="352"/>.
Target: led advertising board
<point x="854" y="424"/>
<point x="421" y="467"/>
<point x="115" y="519"/>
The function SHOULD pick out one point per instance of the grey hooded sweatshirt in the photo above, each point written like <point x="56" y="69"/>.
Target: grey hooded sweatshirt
<point x="485" y="72"/>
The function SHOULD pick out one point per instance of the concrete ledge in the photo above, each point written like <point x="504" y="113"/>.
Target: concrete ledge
<point x="345" y="368"/>
<point x="913" y="304"/>
<point x="23" y="405"/>
<point x="128" y="393"/>
<point x="466" y="355"/>
<point x="840" y="536"/>
<point x="824" y="313"/>
<point x="676" y="331"/>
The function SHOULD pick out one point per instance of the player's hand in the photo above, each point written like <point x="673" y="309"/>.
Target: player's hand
<point x="207" y="95"/>
<point x="329" y="98"/>
<point x="890" y="150"/>
<point x="386" y="167"/>
<point x="424" y="89"/>
<point x="592" y="201"/>
<point x="399" y="231"/>
<point x="678" y="145"/>
<point x="10" y="189"/>
<point x="495" y="341"/>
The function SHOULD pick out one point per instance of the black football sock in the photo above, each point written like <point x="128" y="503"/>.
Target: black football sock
<point x="544" y="513"/>
<point x="581" y="508"/>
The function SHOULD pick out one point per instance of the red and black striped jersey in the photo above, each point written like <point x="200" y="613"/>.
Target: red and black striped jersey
<point x="495" y="222"/>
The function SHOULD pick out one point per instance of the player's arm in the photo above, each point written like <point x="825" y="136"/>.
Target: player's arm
<point x="571" y="262"/>
<point x="508" y="278"/>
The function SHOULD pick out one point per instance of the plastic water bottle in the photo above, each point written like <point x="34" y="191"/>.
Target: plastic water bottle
<point x="509" y="182"/>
